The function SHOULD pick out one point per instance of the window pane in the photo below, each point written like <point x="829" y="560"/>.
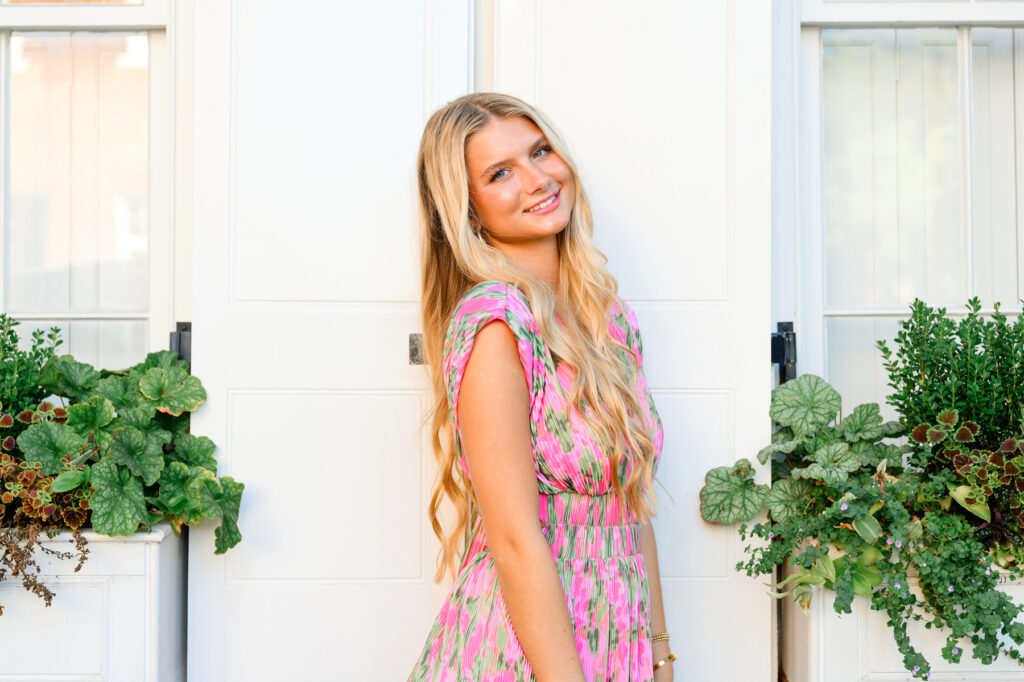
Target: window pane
<point x="104" y="344"/>
<point x="994" y="96"/>
<point x="78" y="239"/>
<point x="854" y="362"/>
<point x="892" y="171"/>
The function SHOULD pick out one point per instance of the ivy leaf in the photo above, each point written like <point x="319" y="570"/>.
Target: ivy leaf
<point x="121" y="391"/>
<point x="172" y="390"/>
<point x="831" y="464"/>
<point x="117" y="504"/>
<point x="868" y="453"/>
<point x="181" y="491"/>
<point x="893" y="429"/>
<point x="141" y="418"/>
<point x="176" y="426"/>
<point x="730" y="494"/>
<point x="223" y="501"/>
<point x="785" y="446"/>
<point x="864" y="423"/>
<point x="90" y="417"/>
<point x="162" y="359"/>
<point x="804" y="404"/>
<point x="788" y="498"/>
<point x="142" y="455"/>
<point x="66" y="377"/>
<point x="194" y="451"/>
<point x="47" y="443"/>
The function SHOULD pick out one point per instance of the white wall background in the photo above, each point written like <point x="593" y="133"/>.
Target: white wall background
<point x="304" y="293"/>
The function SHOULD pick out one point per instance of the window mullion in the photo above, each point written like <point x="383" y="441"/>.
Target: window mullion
<point x="965" y="78"/>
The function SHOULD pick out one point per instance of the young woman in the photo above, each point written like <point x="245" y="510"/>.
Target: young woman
<point x="545" y="431"/>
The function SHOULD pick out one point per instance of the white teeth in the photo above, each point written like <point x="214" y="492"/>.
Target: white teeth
<point x="544" y="204"/>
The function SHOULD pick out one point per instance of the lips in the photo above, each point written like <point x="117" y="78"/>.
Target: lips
<point x="548" y="197"/>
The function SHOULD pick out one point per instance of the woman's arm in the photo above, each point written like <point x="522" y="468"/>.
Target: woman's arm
<point x="494" y="418"/>
<point x="661" y="648"/>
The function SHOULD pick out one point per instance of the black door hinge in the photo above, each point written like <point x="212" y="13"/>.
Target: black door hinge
<point x="181" y="341"/>
<point x="784" y="351"/>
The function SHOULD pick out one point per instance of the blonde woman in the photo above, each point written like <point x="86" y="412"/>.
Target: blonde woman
<point x="543" y="426"/>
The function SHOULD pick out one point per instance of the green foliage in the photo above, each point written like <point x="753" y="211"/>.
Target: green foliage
<point x="20" y="370"/>
<point x="802" y="406"/>
<point x="974" y="366"/>
<point x="856" y="515"/>
<point x="730" y="494"/>
<point x="119" y="454"/>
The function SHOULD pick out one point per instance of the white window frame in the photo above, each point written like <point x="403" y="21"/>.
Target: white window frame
<point x="798" y="259"/>
<point x="169" y="24"/>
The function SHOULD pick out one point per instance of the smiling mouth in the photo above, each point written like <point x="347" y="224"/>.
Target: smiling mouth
<point x="543" y="204"/>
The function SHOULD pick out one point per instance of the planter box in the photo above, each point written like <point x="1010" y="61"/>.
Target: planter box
<point x="121" y="618"/>
<point x="824" y="646"/>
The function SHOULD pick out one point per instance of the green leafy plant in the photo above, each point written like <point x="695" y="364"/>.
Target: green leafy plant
<point x="20" y="369"/>
<point x="974" y="366"/>
<point x="118" y="455"/>
<point x="860" y="516"/>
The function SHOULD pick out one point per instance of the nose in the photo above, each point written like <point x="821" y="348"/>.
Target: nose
<point x="536" y="179"/>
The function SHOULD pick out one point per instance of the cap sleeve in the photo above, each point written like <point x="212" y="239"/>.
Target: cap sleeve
<point x="485" y="303"/>
<point x="625" y="330"/>
<point x="638" y="344"/>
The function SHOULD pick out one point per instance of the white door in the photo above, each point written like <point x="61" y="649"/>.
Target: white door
<point x="305" y="292"/>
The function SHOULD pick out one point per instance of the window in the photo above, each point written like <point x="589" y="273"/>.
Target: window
<point x="918" y="183"/>
<point x="86" y="238"/>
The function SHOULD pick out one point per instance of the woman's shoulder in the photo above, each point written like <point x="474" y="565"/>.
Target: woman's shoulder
<point x="492" y="296"/>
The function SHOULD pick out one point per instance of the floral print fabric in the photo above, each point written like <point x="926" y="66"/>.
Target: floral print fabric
<point x="598" y="557"/>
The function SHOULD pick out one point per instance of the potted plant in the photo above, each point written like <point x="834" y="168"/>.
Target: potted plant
<point x="924" y="530"/>
<point x="116" y="457"/>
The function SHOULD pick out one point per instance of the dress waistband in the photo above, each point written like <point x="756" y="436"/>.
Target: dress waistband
<point x="582" y="510"/>
<point x="587" y="527"/>
<point x="577" y="527"/>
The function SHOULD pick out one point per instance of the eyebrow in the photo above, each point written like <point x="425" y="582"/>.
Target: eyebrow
<point x="488" y="171"/>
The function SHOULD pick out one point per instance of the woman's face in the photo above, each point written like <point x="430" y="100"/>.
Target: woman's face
<point x="520" y="189"/>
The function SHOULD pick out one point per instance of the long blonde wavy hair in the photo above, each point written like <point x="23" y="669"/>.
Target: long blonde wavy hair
<point x="454" y="259"/>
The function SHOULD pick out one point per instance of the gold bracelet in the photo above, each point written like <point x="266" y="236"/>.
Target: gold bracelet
<point x="660" y="636"/>
<point x="667" y="659"/>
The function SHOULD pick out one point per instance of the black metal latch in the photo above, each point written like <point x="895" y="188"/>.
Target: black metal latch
<point x="181" y="341"/>
<point x="784" y="351"/>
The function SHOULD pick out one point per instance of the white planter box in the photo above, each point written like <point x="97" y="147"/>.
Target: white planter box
<point x="121" y="618"/>
<point x="824" y="646"/>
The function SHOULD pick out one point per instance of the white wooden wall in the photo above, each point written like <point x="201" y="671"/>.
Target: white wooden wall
<point x="304" y="293"/>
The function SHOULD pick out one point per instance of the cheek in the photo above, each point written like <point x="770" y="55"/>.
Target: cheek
<point x="502" y="200"/>
<point x="561" y="173"/>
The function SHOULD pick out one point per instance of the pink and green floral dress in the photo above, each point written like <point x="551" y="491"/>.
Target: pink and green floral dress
<point x="599" y="559"/>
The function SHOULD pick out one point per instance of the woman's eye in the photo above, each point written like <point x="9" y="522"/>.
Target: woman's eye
<point x="495" y="176"/>
<point x="545" y="148"/>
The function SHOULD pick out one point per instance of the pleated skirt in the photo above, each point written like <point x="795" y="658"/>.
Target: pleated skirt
<point x="604" y="578"/>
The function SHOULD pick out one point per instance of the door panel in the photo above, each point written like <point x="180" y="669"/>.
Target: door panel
<point x="305" y="292"/>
